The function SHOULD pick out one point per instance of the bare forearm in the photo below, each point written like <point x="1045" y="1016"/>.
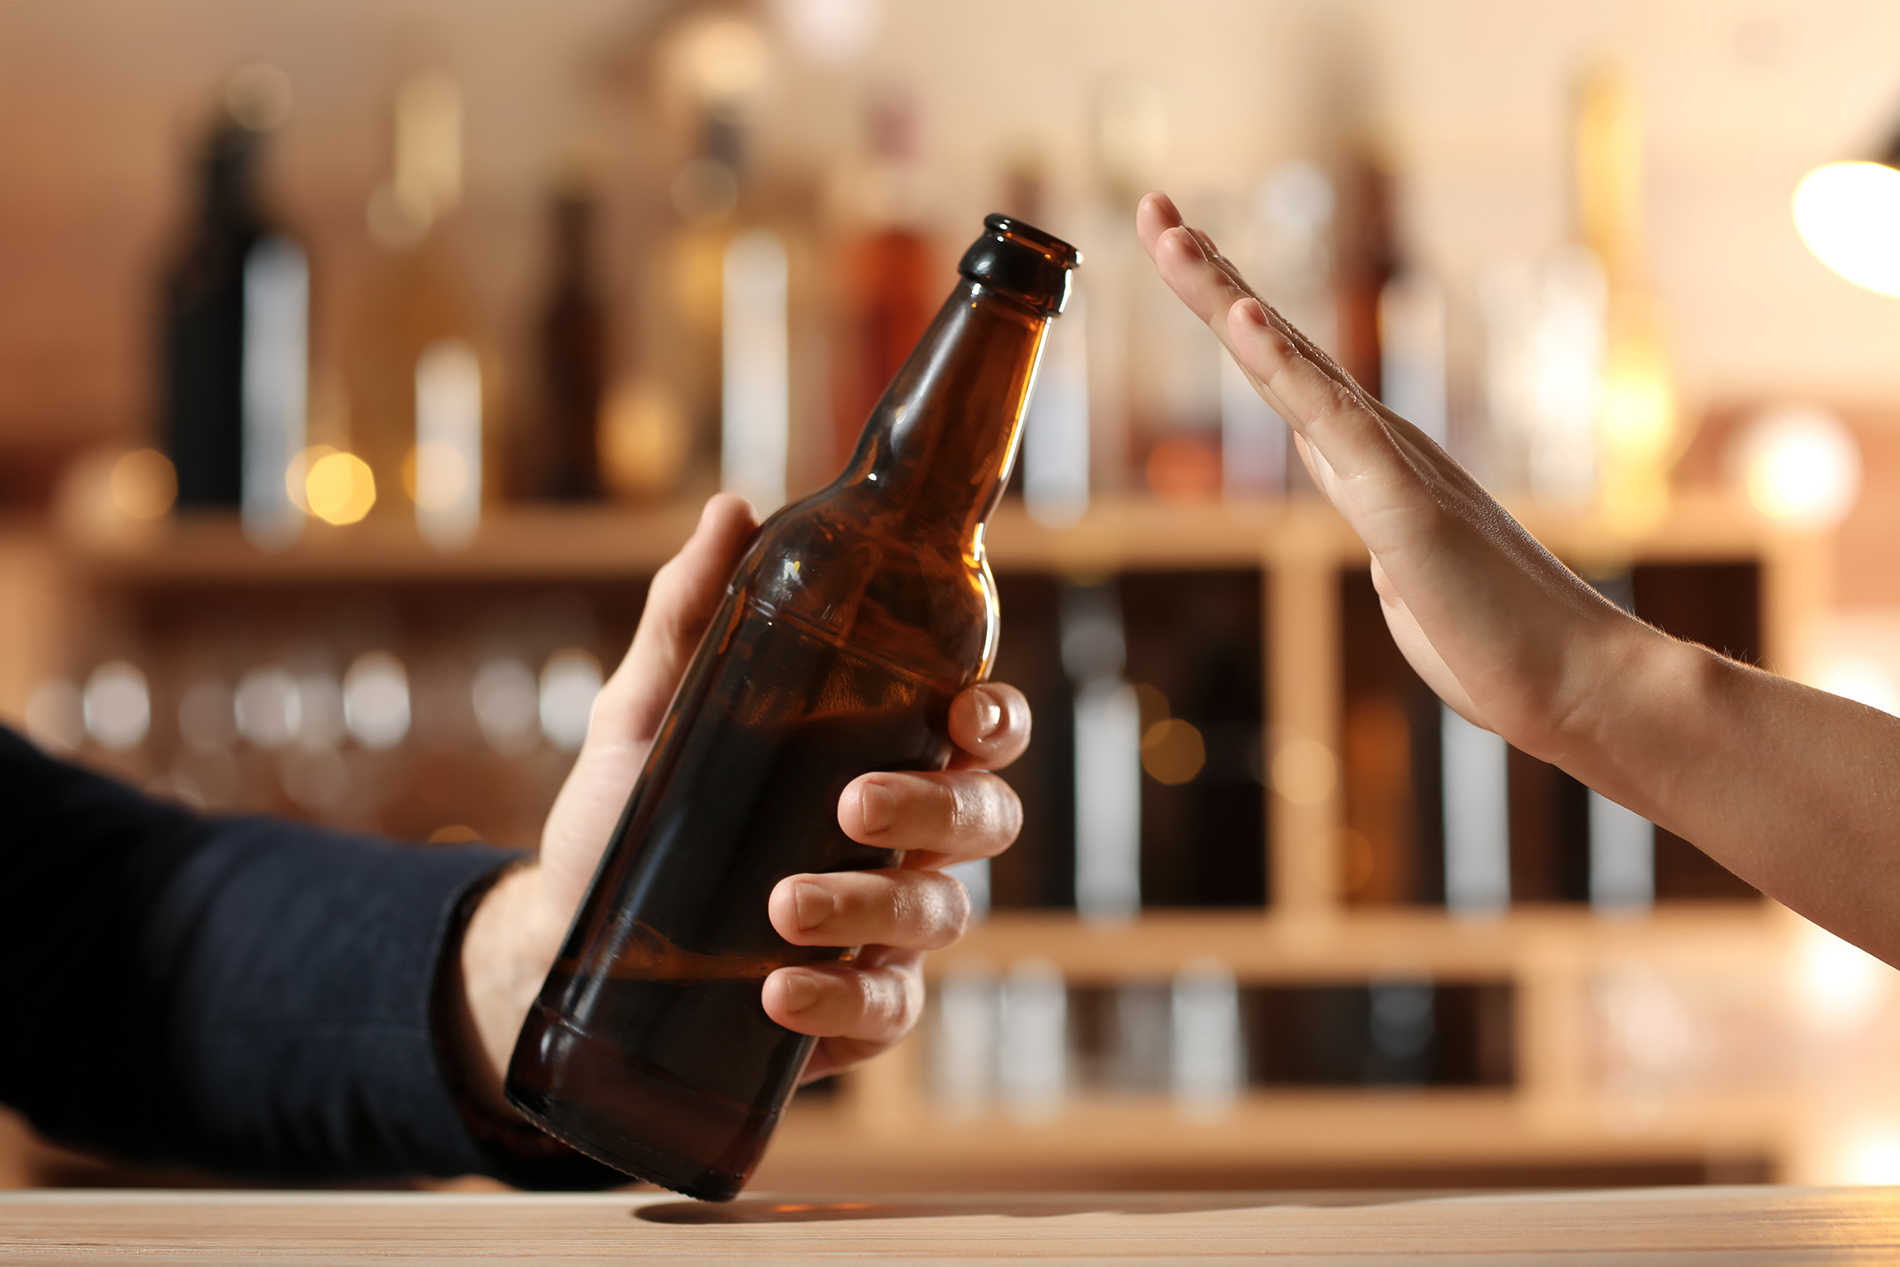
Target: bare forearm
<point x="505" y="955"/>
<point x="1795" y="790"/>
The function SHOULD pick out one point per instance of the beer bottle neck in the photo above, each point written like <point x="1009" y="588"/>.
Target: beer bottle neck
<point x="938" y="447"/>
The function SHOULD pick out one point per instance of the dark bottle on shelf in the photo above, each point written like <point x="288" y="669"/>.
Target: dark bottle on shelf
<point x="855" y="617"/>
<point x="204" y="320"/>
<point x="573" y="340"/>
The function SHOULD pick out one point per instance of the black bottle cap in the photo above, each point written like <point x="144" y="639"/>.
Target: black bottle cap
<point x="1023" y="260"/>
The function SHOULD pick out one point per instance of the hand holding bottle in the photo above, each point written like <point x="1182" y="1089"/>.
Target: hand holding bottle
<point x="896" y="913"/>
<point x="1789" y="787"/>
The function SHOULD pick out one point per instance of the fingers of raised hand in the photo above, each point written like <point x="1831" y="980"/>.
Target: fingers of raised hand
<point x="955" y="814"/>
<point x="989" y="723"/>
<point x="898" y="906"/>
<point x="680" y="604"/>
<point x="869" y="1006"/>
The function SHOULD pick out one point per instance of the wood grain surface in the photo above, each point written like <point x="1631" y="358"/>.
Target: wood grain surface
<point x="1663" y="1225"/>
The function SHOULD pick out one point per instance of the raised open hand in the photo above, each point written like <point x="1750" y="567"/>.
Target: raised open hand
<point x="1504" y="633"/>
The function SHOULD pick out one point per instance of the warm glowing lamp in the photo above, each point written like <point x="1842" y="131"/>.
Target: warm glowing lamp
<point x="1799" y="464"/>
<point x="1849" y="215"/>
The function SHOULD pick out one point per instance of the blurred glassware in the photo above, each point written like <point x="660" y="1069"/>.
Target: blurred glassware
<point x="1107" y="755"/>
<point x="207" y="716"/>
<point x="1797" y="463"/>
<point x="1477" y="817"/>
<point x="269" y="708"/>
<point x="1622" y="858"/>
<point x="117" y="706"/>
<point x="968" y="1026"/>
<point x="570" y="681"/>
<point x="507" y="705"/>
<point x="1209" y="1068"/>
<point x="376" y="700"/>
<point x="56" y="716"/>
<point x="320" y="724"/>
<point x="1141" y="1038"/>
<point x="1032" y="1048"/>
<point x="1401" y="1023"/>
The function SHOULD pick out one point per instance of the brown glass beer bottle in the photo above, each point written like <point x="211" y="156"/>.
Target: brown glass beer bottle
<point x="855" y="617"/>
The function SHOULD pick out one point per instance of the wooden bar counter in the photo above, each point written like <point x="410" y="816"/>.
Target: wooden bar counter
<point x="1726" y="1225"/>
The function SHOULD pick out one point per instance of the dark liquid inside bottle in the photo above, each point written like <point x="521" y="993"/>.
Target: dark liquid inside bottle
<point x="851" y="623"/>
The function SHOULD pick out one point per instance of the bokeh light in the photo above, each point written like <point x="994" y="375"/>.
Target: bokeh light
<point x="118" y="706"/>
<point x="142" y="484"/>
<point x="340" y="488"/>
<point x="1305" y="771"/>
<point x="1172" y="751"/>
<point x="269" y="707"/>
<point x="376" y="700"/>
<point x="1849" y="215"/>
<point x="1798" y="464"/>
<point x="570" y="681"/>
<point x="507" y="704"/>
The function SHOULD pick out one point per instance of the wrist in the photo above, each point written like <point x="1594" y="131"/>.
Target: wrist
<point x="507" y="948"/>
<point x="1623" y="737"/>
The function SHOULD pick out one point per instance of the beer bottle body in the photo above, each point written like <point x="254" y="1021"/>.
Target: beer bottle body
<point x="853" y="620"/>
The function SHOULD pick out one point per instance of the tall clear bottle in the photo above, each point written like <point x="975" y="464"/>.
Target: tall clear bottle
<point x="856" y="616"/>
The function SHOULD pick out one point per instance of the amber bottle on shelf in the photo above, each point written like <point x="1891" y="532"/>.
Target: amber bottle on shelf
<point x="856" y="616"/>
<point x="887" y="280"/>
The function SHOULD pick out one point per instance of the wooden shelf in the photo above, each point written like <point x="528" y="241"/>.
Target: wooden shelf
<point x="561" y="542"/>
<point x="1358" y="945"/>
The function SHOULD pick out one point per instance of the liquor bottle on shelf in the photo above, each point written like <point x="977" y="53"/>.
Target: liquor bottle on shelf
<point x="1287" y="248"/>
<point x="1367" y="261"/>
<point x="848" y="627"/>
<point x="421" y="381"/>
<point x="1107" y="755"/>
<point x="887" y="292"/>
<point x="573" y="349"/>
<point x="731" y="351"/>
<point x="1053" y="476"/>
<point x="236" y="340"/>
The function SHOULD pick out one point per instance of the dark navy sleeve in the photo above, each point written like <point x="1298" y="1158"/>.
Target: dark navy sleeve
<point x="246" y="996"/>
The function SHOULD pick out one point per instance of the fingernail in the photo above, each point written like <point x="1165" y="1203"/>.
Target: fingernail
<point x="799" y="989"/>
<point x="812" y="903"/>
<point x="1254" y="311"/>
<point x="989" y="712"/>
<point x="1206" y="243"/>
<point x="877" y="807"/>
<point x="1187" y="235"/>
